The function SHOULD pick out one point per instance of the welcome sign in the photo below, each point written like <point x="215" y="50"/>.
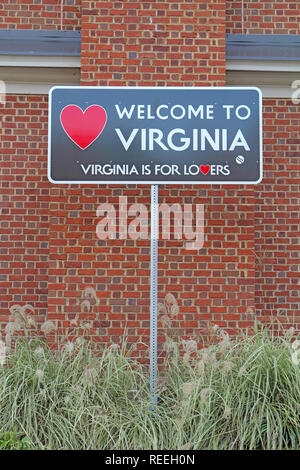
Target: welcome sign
<point x="155" y="135"/>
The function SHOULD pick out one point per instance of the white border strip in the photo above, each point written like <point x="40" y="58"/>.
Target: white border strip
<point x="39" y="61"/>
<point x="155" y="182"/>
<point x="263" y="65"/>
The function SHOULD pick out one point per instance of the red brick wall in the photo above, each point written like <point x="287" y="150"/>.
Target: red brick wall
<point x="119" y="271"/>
<point x="277" y="201"/>
<point x="49" y="249"/>
<point x="213" y="284"/>
<point x="24" y="204"/>
<point x="153" y="43"/>
<point x="40" y="14"/>
<point x="264" y="17"/>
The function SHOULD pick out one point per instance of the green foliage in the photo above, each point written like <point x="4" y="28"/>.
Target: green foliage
<point x="233" y="395"/>
<point x="13" y="441"/>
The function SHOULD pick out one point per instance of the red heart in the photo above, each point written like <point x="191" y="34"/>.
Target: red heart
<point x="83" y="127"/>
<point x="205" y="169"/>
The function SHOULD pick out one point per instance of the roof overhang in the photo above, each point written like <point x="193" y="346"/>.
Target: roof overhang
<point x="31" y="62"/>
<point x="271" y="63"/>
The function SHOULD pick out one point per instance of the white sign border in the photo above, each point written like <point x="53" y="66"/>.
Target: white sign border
<point x="194" y="183"/>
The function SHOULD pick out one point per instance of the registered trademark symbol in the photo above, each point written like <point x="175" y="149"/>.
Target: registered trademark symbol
<point x="240" y="159"/>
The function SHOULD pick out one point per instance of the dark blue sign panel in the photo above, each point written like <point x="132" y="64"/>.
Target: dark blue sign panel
<point x="155" y="135"/>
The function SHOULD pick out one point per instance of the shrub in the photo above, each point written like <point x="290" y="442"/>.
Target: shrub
<point x="232" y="395"/>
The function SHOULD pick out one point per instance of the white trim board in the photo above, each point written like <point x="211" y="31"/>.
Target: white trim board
<point x="272" y="84"/>
<point x="39" y="61"/>
<point x="263" y="65"/>
<point x="30" y="80"/>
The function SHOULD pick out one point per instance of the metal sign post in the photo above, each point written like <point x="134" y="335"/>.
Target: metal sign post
<point x="153" y="291"/>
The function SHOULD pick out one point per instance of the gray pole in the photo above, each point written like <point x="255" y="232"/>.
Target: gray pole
<point x="153" y="291"/>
